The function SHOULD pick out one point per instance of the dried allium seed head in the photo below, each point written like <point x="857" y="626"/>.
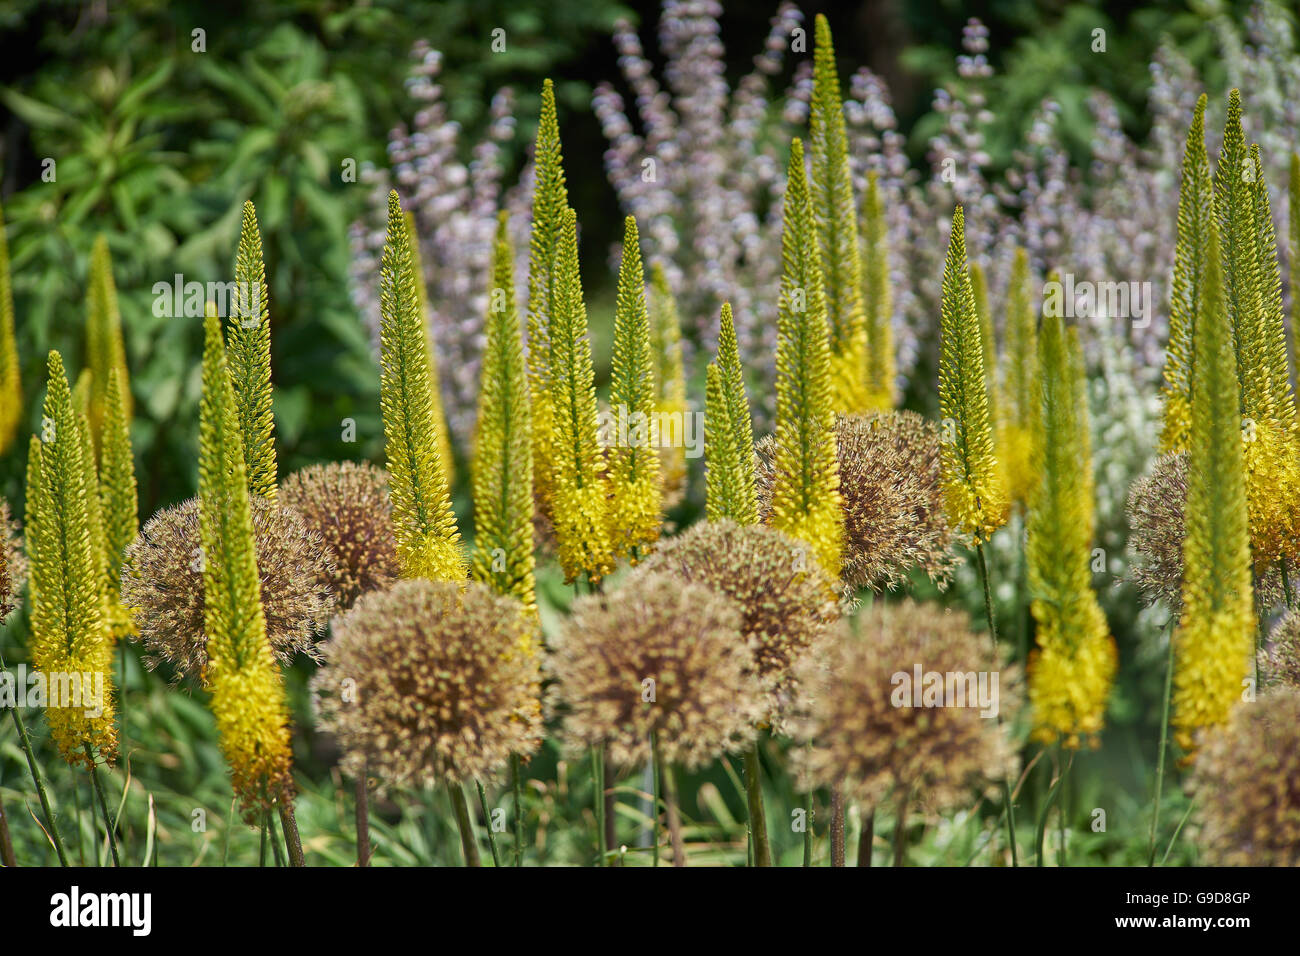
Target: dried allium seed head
<point x="783" y="595"/>
<point x="162" y="581"/>
<point x="13" y="565"/>
<point x="1155" y="515"/>
<point x="425" y="683"/>
<point x="347" y="504"/>
<point x="656" y="655"/>
<point x="894" y="520"/>
<point x="1247" y="784"/>
<point x="1279" y="660"/>
<point x="860" y="736"/>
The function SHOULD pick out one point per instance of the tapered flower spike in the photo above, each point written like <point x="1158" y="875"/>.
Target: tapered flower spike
<point x="877" y="301"/>
<point x="435" y="388"/>
<point x="95" y="517"/>
<point x="1195" y="209"/>
<point x="1018" y="407"/>
<point x="729" y="434"/>
<point x="503" y="450"/>
<point x="550" y="200"/>
<point x="118" y="500"/>
<point x="974" y="495"/>
<point x="670" y="384"/>
<point x="1214" y="639"/>
<point x="806" y="485"/>
<point x="1073" y="668"/>
<point x="1273" y="323"/>
<point x="69" y="635"/>
<point x="428" y="542"/>
<point x="249" y="355"/>
<point x="579" y="509"/>
<point x="104" y="346"/>
<point x="979" y="290"/>
<point x="837" y="228"/>
<point x="635" y="493"/>
<point x="248" y="698"/>
<point x="11" y="389"/>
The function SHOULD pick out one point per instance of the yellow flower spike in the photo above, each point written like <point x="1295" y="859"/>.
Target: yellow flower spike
<point x="435" y="388"/>
<point x="105" y="349"/>
<point x="635" y="495"/>
<point x="428" y="542"/>
<point x="503" y="450"/>
<point x="68" y="633"/>
<point x="1073" y="668"/>
<point x="974" y="493"/>
<point x="877" y="301"/>
<point x="118" y="501"/>
<point x="1215" y="636"/>
<point x="550" y="200"/>
<point x="729" y="434"/>
<point x="1195" y="209"/>
<point x="670" y="384"/>
<point x="579" y="505"/>
<point x="248" y="698"/>
<point x="837" y="228"/>
<point x="249" y="355"/>
<point x="806" y="502"/>
<point x="11" y="387"/>
<point x="1018" y="407"/>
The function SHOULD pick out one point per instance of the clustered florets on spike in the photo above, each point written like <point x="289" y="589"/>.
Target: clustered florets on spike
<point x="162" y="582"/>
<point x="345" y="504"/>
<point x="424" y="684"/>
<point x="658" y="655"/>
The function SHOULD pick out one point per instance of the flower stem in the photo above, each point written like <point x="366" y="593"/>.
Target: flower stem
<point x="757" y="816"/>
<point x="487" y="821"/>
<point x="837" y="825"/>
<point x="900" y="831"/>
<point x="1164" y="745"/>
<point x="598" y="800"/>
<point x="37" y="779"/>
<point x="866" y="838"/>
<point x="362" y="813"/>
<point x="103" y="805"/>
<point x="468" y="845"/>
<point x="993" y="635"/>
<point x="655" y="772"/>
<point x="292" y="841"/>
<point x="1047" y="805"/>
<point x="516" y="784"/>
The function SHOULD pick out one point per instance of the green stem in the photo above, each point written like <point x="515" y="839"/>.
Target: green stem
<point x="292" y="841"/>
<point x="37" y="779"/>
<point x="757" y="816"/>
<point x="866" y="837"/>
<point x="468" y="845"/>
<point x="807" y="830"/>
<point x="274" y="838"/>
<point x="261" y="853"/>
<point x="1164" y="745"/>
<point x="993" y="634"/>
<point x="655" y="771"/>
<point x="225" y="837"/>
<point x="1047" y="806"/>
<point x="516" y="785"/>
<point x="598" y="789"/>
<point x="1286" y="581"/>
<point x="487" y="821"/>
<point x="103" y="805"/>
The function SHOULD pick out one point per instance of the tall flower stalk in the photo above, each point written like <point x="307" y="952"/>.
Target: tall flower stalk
<point x="1213" y="641"/>
<point x="503" y="452"/>
<point x="249" y="355"/>
<point x="428" y="542"/>
<point x="731" y="487"/>
<point x="248" y="697"/>
<point x="579" y="504"/>
<point x="635" y="489"/>
<point x="1071" y="673"/>
<point x="670" y="382"/>
<point x="1019" y="407"/>
<point x="805" y="489"/>
<point x="877" y="300"/>
<point x="435" y="387"/>
<point x="105" y="349"/>
<point x="835" y="213"/>
<point x="11" y="386"/>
